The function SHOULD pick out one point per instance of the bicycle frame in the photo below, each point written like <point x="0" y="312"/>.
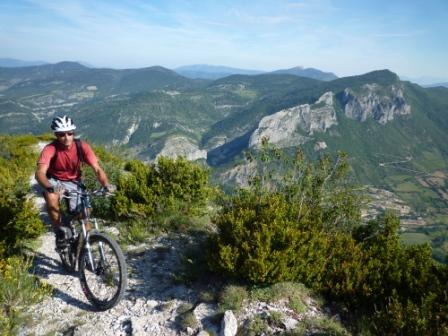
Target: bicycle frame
<point x="98" y="258"/>
<point x="84" y="214"/>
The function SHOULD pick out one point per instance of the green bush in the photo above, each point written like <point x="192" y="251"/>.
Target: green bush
<point x="146" y="191"/>
<point x="18" y="289"/>
<point x="282" y="227"/>
<point x="302" y="224"/>
<point x="403" y="283"/>
<point x="19" y="221"/>
<point x="112" y="164"/>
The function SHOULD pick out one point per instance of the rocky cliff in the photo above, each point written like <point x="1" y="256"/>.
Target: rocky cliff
<point x="182" y="146"/>
<point x="294" y="126"/>
<point x="375" y="101"/>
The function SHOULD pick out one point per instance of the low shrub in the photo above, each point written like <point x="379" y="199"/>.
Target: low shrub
<point x="18" y="290"/>
<point x="232" y="298"/>
<point x="295" y="293"/>
<point x="319" y="326"/>
<point x="282" y="228"/>
<point x="188" y="320"/>
<point x="133" y="232"/>
<point x="18" y="218"/>
<point x="162" y="193"/>
<point x="304" y="226"/>
<point x="256" y="326"/>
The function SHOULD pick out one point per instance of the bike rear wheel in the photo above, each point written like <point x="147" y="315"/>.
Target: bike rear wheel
<point x="103" y="284"/>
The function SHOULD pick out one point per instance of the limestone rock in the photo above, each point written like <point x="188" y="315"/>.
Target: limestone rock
<point x="240" y="174"/>
<point x="229" y="324"/>
<point x="182" y="146"/>
<point x="293" y="126"/>
<point x="289" y="323"/>
<point x="374" y="101"/>
<point x="203" y="333"/>
<point x="203" y="313"/>
<point x="111" y="230"/>
<point x="320" y="145"/>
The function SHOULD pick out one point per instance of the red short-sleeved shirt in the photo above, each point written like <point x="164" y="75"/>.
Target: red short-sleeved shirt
<point x="66" y="166"/>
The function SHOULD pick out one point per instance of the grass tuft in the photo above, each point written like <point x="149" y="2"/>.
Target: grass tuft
<point x="232" y="298"/>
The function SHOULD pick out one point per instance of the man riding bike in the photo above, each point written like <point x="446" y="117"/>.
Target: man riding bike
<point x="59" y="168"/>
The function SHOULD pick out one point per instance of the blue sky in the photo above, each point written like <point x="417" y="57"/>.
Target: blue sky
<point x="345" y="37"/>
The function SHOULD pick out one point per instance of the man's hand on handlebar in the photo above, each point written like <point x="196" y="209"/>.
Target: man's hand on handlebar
<point x="57" y="189"/>
<point x="110" y="188"/>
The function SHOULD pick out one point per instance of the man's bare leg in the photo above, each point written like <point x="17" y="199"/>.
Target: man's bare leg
<point x="52" y="200"/>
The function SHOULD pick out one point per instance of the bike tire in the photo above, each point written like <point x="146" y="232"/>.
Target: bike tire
<point x="109" y="274"/>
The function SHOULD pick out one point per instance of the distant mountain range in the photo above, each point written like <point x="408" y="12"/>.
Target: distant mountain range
<point x="426" y="81"/>
<point x="205" y="71"/>
<point x="395" y="132"/>
<point x="14" y="63"/>
<point x="200" y="71"/>
<point x="437" y="84"/>
<point x="215" y="72"/>
<point x="308" y="72"/>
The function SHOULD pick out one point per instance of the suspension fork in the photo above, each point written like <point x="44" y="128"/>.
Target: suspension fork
<point x="86" y="234"/>
<point x="103" y="256"/>
<point x="87" y="245"/>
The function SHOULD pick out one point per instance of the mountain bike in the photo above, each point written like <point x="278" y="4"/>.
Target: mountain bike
<point x="96" y="257"/>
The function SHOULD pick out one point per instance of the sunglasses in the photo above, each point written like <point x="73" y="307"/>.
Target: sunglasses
<point x="61" y="134"/>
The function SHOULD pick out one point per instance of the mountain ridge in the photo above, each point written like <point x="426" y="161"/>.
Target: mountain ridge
<point x="205" y="71"/>
<point x="194" y="71"/>
<point x="13" y="63"/>
<point x="308" y="72"/>
<point x="155" y="109"/>
<point x="214" y="72"/>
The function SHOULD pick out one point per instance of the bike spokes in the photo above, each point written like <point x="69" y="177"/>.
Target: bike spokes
<point x="104" y="279"/>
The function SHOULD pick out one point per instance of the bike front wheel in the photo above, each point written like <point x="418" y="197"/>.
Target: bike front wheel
<point x="103" y="276"/>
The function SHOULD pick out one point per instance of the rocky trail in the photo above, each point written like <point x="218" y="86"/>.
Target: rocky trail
<point x="155" y="302"/>
<point x="149" y="306"/>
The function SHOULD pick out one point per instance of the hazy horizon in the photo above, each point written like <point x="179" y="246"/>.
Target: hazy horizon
<point x="344" y="37"/>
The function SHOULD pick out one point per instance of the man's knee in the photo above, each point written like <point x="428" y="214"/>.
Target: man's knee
<point x="52" y="201"/>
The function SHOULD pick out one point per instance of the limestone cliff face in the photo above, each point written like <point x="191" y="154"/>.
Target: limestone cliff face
<point x="240" y="174"/>
<point x="182" y="146"/>
<point x="374" y="101"/>
<point x="294" y="126"/>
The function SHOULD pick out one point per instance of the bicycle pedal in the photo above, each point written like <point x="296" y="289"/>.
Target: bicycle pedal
<point x="61" y="249"/>
<point x="61" y="245"/>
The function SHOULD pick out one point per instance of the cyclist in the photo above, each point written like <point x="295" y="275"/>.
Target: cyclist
<point x="59" y="168"/>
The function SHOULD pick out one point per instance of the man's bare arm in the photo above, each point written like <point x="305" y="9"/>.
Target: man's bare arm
<point x="100" y="175"/>
<point x="41" y="175"/>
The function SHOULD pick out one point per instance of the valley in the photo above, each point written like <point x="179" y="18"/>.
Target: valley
<point x="395" y="132"/>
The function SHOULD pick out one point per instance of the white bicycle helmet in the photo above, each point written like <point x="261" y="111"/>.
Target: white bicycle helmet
<point x="62" y="124"/>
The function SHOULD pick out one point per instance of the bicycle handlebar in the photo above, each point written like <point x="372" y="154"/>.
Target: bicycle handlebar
<point x="98" y="192"/>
